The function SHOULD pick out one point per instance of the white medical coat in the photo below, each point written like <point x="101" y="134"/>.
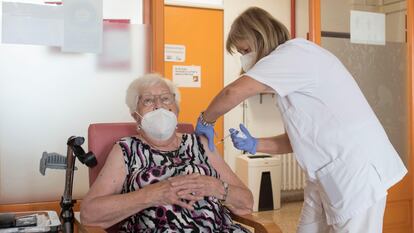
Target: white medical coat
<point x="336" y="136"/>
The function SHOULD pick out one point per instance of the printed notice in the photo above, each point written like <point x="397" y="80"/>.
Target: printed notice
<point x="174" y="53"/>
<point x="82" y="26"/>
<point x="367" y="28"/>
<point x="187" y="76"/>
<point x="24" y="23"/>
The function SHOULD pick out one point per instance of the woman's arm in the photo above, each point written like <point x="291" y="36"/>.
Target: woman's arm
<point x="274" y="145"/>
<point x="233" y="94"/>
<point x="104" y="206"/>
<point x="239" y="198"/>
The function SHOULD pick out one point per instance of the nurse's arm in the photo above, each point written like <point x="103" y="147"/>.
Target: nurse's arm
<point x="233" y="94"/>
<point x="274" y="145"/>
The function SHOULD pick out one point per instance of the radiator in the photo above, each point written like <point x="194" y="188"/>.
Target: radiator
<point x="293" y="177"/>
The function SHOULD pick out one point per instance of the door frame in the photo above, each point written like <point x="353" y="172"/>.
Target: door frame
<point x="154" y="16"/>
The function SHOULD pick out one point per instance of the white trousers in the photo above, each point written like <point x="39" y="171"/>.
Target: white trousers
<point x="313" y="220"/>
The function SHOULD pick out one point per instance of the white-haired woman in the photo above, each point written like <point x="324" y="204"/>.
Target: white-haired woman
<point x="160" y="180"/>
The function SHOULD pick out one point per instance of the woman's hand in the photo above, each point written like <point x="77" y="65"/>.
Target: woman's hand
<point x="198" y="186"/>
<point x="165" y="193"/>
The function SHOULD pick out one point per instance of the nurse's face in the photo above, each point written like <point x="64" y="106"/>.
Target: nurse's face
<point x="243" y="47"/>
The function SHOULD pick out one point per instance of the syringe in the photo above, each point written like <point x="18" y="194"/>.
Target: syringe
<point x="222" y="140"/>
<point x="238" y="134"/>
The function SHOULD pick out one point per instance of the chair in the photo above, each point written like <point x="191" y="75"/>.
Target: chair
<point x="101" y="138"/>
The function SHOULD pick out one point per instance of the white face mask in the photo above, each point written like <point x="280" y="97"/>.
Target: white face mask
<point x="247" y="61"/>
<point x="159" y="124"/>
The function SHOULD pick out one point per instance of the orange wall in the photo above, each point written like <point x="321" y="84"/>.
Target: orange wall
<point x="201" y="31"/>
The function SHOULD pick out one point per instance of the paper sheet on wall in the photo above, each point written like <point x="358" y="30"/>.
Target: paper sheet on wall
<point x="24" y="23"/>
<point x="367" y="28"/>
<point x="82" y="28"/>
<point x="174" y="53"/>
<point x="187" y="76"/>
<point x="116" y="47"/>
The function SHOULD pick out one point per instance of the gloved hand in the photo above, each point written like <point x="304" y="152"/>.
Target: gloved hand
<point x="243" y="142"/>
<point x="207" y="131"/>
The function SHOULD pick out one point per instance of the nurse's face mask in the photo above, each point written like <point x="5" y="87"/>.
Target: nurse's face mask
<point x="247" y="61"/>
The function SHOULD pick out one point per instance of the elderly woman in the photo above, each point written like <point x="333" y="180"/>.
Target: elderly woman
<point x="160" y="180"/>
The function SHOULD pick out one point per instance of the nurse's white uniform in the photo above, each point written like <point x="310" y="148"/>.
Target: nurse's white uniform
<point x="337" y="138"/>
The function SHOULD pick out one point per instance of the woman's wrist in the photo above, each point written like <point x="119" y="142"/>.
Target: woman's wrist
<point x="204" y="121"/>
<point x="226" y="191"/>
<point x="150" y="200"/>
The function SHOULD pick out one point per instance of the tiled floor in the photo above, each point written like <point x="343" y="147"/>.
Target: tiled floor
<point x="286" y="217"/>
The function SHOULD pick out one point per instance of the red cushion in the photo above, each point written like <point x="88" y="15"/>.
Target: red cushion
<point x="102" y="136"/>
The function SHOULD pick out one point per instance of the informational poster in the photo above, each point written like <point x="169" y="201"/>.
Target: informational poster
<point x="116" y="48"/>
<point x="75" y="25"/>
<point x="82" y="26"/>
<point x="187" y="76"/>
<point x="36" y="24"/>
<point x="174" y="53"/>
<point x="367" y="28"/>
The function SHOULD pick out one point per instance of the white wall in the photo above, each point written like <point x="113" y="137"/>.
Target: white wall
<point x="47" y="96"/>
<point x="335" y="15"/>
<point x="302" y="18"/>
<point x="259" y="117"/>
<point x="395" y="15"/>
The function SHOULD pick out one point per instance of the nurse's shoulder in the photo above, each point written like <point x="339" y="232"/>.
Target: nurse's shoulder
<point x="298" y="47"/>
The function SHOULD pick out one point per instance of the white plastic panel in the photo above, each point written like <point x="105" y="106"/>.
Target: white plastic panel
<point x="47" y="96"/>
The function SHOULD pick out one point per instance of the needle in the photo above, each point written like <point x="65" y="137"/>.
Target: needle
<point x="222" y="140"/>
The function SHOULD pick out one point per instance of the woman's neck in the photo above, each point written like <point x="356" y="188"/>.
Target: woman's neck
<point x="168" y="145"/>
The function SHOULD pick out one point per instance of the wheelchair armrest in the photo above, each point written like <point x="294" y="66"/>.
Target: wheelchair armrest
<point x="87" y="229"/>
<point x="259" y="225"/>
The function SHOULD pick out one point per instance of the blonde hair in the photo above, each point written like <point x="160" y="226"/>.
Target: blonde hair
<point x="144" y="82"/>
<point x="261" y="30"/>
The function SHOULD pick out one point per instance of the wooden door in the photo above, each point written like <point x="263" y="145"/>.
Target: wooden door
<point x="201" y="32"/>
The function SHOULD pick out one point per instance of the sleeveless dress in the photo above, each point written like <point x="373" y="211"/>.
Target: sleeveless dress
<point x="146" y="166"/>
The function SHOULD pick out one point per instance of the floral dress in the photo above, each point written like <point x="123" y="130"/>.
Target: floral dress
<point x="146" y="166"/>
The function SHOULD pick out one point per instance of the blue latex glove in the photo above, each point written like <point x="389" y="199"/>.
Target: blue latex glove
<point x="207" y="131"/>
<point x="243" y="142"/>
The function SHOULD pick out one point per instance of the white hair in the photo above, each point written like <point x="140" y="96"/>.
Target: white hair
<point x="144" y="82"/>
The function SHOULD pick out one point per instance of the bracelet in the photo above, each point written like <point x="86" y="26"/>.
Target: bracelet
<point x="204" y="122"/>
<point x="226" y="190"/>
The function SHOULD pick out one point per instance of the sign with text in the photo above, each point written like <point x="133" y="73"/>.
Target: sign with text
<point x="174" y="53"/>
<point x="187" y="76"/>
<point x="367" y="28"/>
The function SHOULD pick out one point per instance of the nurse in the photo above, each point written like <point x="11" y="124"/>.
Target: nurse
<point x="335" y="135"/>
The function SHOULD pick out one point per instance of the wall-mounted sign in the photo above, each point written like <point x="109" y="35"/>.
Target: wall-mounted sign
<point x="367" y="28"/>
<point x="187" y="76"/>
<point x="76" y="25"/>
<point x="174" y="53"/>
<point x="82" y="26"/>
<point x="25" y="23"/>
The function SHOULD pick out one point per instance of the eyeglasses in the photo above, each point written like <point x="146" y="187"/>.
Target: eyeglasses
<point x="149" y="100"/>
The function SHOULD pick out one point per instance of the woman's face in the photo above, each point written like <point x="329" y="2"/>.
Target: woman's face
<point x="155" y="97"/>
<point x="243" y="47"/>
